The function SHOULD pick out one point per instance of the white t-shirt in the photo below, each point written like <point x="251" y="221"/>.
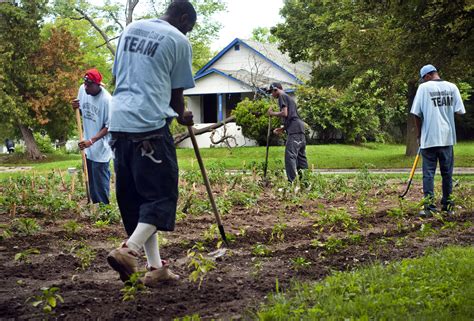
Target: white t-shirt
<point x="435" y="103"/>
<point x="95" y="116"/>
<point x="152" y="58"/>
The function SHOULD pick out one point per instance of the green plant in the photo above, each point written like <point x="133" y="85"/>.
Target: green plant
<point x="300" y="263"/>
<point x="72" y="227"/>
<point x="200" y="265"/>
<point x="85" y="254"/>
<point x="332" y="218"/>
<point x="426" y="230"/>
<point x="252" y="116"/>
<point x="365" y="207"/>
<point x="194" y="317"/>
<point x="24" y="255"/>
<point x="257" y="267"/>
<point x="101" y="223"/>
<point x="132" y="287"/>
<point x="5" y="232"/>
<point x="333" y="245"/>
<point x="47" y="300"/>
<point x="278" y="231"/>
<point x="261" y="250"/>
<point x="25" y="226"/>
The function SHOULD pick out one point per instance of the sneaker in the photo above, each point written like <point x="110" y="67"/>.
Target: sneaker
<point x="425" y="213"/>
<point x="154" y="277"/>
<point x="124" y="261"/>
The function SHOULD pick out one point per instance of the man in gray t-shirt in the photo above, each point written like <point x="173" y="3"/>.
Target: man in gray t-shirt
<point x="152" y="66"/>
<point x="434" y="106"/>
<point x="295" y="148"/>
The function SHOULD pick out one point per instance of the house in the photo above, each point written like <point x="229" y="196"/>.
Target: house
<point x="236" y="73"/>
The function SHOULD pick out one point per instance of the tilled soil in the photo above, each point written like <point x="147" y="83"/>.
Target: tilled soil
<point x="241" y="280"/>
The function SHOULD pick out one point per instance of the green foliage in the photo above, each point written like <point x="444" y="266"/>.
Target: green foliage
<point x="44" y="143"/>
<point x="200" y="265"/>
<point x="24" y="256"/>
<point x="300" y="263"/>
<point x="132" y="287"/>
<point x="261" y="250"/>
<point x="47" y="300"/>
<point x="345" y="39"/>
<point x="438" y="286"/>
<point x="25" y="226"/>
<point x="71" y="227"/>
<point x="85" y="253"/>
<point x="278" y="231"/>
<point x="263" y="35"/>
<point x="252" y="116"/>
<point x="335" y="217"/>
<point x="359" y="112"/>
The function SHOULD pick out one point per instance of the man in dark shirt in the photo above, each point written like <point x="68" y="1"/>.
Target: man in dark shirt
<point x="295" y="149"/>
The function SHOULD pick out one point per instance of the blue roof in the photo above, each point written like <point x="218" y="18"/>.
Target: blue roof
<point x="203" y="70"/>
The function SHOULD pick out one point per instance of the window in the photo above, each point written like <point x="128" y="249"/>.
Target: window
<point x="237" y="47"/>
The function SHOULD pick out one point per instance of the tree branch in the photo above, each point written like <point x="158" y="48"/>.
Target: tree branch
<point x="96" y="27"/>
<point x="178" y="138"/>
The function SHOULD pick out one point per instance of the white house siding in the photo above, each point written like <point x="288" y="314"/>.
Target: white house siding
<point x="193" y="103"/>
<point x="216" y="83"/>
<point x="249" y="60"/>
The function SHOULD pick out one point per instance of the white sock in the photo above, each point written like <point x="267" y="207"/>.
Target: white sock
<point x="142" y="233"/>
<point x="152" y="252"/>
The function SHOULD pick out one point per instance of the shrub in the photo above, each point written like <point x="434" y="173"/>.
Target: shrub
<point x="252" y="116"/>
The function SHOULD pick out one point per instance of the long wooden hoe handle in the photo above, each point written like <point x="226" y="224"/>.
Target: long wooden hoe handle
<point x="83" y="154"/>
<point x="208" y="185"/>
<point x="268" y="146"/>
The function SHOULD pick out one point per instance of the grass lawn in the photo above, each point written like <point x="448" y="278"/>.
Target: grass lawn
<point x="439" y="286"/>
<point x="319" y="156"/>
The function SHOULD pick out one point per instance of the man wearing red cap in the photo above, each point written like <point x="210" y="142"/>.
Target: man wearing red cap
<point x="93" y="101"/>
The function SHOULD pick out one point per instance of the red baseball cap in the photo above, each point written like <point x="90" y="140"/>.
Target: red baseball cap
<point x="94" y="76"/>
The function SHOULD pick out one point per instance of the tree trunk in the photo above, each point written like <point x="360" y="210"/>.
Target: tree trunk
<point x="412" y="144"/>
<point x="32" y="150"/>
<point x="178" y="138"/>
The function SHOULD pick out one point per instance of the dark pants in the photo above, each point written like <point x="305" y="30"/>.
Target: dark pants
<point x="295" y="155"/>
<point x="446" y="163"/>
<point x="99" y="181"/>
<point x="146" y="170"/>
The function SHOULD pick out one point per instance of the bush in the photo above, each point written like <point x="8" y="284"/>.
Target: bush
<point x="44" y="143"/>
<point x="357" y="114"/>
<point x="252" y="116"/>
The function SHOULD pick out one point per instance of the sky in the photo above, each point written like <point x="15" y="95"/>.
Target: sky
<point x="243" y="16"/>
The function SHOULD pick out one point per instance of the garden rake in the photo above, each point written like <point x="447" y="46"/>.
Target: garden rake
<point x="412" y="173"/>
<point x="83" y="154"/>
<point x="208" y="185"/>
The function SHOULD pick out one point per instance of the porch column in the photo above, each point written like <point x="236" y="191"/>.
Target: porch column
<point x="220" y="116"/>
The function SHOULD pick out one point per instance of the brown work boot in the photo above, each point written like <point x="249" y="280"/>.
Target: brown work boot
<point x="124" y="261"/>
<point x="154" y="277"/>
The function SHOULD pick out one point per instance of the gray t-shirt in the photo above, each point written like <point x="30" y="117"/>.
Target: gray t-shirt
<point x="292" y="123"/>
<point x="435" y="102"/>
<point x="152" y="58"/>
<point x="95" y="116"/>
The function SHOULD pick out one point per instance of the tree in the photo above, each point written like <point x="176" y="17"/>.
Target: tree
<point x="19" y="80"/>
<point x="345" y="38"/>
<point x="58" y="63"/>
<point x="109" y="19"/>
<point x="263" y="35"/>
<point x="38" y="73"/>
